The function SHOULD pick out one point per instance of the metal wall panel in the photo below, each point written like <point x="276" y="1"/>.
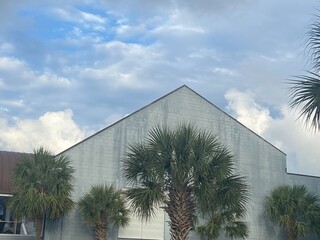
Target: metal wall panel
<point x="8" y="161"/>
<point x="98" y="159"/>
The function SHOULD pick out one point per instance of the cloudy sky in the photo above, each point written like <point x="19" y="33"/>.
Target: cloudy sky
<point x="70" y="68"/>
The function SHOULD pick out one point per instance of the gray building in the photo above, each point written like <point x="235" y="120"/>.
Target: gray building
<point x="97" y="160"/>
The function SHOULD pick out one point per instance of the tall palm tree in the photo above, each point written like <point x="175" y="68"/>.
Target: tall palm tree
<point x="225" y="213"/>
<point x="102" y="207"/>
<point x="181" y="170"/>
<point x="305" y="89"/>
<point x="295" y="209"/>
<point x="44" y="186"/>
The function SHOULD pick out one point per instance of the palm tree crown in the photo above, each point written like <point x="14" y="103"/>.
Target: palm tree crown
<point x="225" y="213"/>
<point x="295" y="209"/>
<point x="305" y="89"/>
<point x="102" y="207"/>
<point x="305" y="92"/>
<point x="44" y="184"/>
<point x="182" y="170"/>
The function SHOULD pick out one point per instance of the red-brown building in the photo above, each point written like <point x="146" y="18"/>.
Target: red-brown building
<point x="8" y="225"/>
<point x="8" y="161"/>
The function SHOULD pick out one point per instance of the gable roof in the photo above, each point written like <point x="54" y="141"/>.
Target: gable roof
<point x="170" y="93"/>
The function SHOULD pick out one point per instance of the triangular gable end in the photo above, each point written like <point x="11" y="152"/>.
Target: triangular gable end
<point x="187" y="90"/>
<point x="98" y="158"/>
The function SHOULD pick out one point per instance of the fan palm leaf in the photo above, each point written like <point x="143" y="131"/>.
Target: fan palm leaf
<point x="305" y="89"/>
<point x="44" y="184"/>
<point x="294" y="208"/>
<point x="305" y="93"/>
<point x="103" y="207"/>
<point x="181" y="170"/>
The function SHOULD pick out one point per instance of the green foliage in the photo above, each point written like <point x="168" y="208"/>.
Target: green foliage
<point x="185" y="167"/>
<point x="295" y="209"/>
<point x="305" y="89"/>
<point x="44" y="184"/>
<point x="104" y="205"/>
<point x="224" y="213"/>
<point x="305" y="92"/>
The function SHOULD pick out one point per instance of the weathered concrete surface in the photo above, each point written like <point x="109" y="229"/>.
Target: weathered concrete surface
<point x="97" y="160"/>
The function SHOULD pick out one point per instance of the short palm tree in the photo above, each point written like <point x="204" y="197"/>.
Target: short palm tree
<point x="44" y="186"/>
<point x="102" y="207"/>
<point x="295" y="209"/>
<point x="225" y="213"/>
<point x="181" y="170"/>
<point x="305" y="89"/>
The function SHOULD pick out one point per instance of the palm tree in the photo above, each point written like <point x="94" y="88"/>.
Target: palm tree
<point x="104" y="206"/>
<point x="181" y="170"/>
<point x="295" y="209"/>
<point x="305" y="89"/>
<point x="44" y="186"/>
<point x="305" y="92"/>
<point x="224" y="214"/>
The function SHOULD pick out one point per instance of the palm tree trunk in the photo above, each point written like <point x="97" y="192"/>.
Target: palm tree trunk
<point x="38" y="224"/>
<point x="101" y="233"/>
<point x="180" y="209"/>
<point x="292" y="233"/>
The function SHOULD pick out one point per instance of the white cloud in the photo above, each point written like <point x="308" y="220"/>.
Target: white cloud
<point x="74" y="15"/>
<point x="53" y="130"/>
<point x="13" y="103"/>
<point x="89" y="17"/>
<point x="126" y="31"/>
<point x="289" y="135"/>
<point x="247" y="111"/>
<point x="10" y="66"/>
<point x="129" y="65"/>
<point x="179" y="29"/>
<point x="178" y="23"/>
<point x="112" y="56"/>
<point x="82" y="19"/>
<point x="300" y="144"/>
<point x="50" y="79"/>
<point x="224" y="71"/>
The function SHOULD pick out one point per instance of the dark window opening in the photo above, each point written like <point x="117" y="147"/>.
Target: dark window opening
<point x="8" y="225"/>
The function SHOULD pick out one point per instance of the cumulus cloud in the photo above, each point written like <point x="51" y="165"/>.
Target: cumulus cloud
<point x="53" y="130"/>
<point x="243" y="106"/>
<point x="112" y="57"/>
<point x="23" y="89"/>
<point x="300" y="144"/>
<point x="285" y="132"/>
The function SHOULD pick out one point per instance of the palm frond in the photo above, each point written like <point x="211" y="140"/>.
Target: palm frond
<point x="305" y="93"/>
<point x="44" y="184"/>
<point x="237" y="229"/>
<point x="293" y="208"/>
<point x="104" y="205"/>
<point x="145" y="200"/>
<point x="313" y="44"/>
<point x="183" y="169"/>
